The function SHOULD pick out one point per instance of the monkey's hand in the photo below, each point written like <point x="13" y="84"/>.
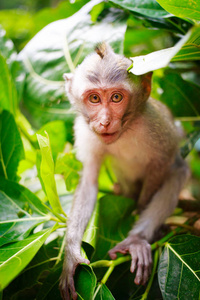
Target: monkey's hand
<point x="67" y="287"/>
<point x="140" y="251"/>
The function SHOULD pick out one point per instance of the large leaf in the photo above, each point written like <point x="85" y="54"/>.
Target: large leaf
<point x="180" y="95"/>
<point x="148" y="8"/>
<point x="11" y="148"/>
<point x="182" y="9"/>
<point x="29" y="281"/>
<point x="16" y="256"/>
<point x="47" y="173"/>
<point x="114" y="222"/>
<point x="179" y="268"/>
<point x="20" y="211"/>
<point x="60" y="46"/>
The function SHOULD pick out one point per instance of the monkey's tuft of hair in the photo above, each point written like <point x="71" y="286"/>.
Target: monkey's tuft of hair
<point x="101" y="49"/>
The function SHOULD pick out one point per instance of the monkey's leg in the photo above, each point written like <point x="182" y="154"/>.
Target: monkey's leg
<point x="161" y="206"/>
<point x="83" y="205"/>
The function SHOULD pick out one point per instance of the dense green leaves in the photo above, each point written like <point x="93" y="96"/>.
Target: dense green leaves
<point x="20" y="211"/>
<point x="36" y="259"/>
<point x="179" y="275"/>
<point x="16" y="256"/>
<point x="11" y="148"/>
<point x="180" y="95"/>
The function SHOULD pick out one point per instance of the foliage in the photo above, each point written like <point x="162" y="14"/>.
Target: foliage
<point x="38" y="167"/>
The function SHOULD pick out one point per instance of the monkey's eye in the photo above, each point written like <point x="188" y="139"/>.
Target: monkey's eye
<point x="94" y="98"/>
<point x="116" y="97"/>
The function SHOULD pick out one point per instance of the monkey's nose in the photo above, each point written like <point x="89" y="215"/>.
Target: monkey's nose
<point x="105" y="123"/>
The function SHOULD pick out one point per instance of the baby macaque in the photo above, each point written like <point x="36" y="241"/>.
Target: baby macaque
<point x="117" y="117"/>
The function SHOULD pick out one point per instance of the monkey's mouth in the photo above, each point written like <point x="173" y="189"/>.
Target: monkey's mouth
<point x="109" y="137"/>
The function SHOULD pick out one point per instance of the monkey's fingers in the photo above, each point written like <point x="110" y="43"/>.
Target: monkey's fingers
<point x="119" y="248"/>
<point x="143" y="254"/>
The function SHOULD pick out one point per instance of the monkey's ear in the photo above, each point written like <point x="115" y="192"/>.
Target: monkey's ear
<point x="67" y="76"/>
<point x="146" y="84"/>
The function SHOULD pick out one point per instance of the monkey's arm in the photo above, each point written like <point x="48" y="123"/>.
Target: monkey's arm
<point x="160" y="207"/>
<point x="83" y="205"/>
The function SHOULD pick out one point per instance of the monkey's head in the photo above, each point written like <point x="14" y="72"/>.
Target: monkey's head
<point x="104" y="92"/>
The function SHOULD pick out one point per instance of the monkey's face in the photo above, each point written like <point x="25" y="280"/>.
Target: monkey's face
<point x="105" y="111"/>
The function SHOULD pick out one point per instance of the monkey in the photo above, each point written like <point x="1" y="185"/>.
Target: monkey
<point x="117" y="117"/>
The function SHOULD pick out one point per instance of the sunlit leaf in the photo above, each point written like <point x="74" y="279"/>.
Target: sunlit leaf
<point x="69" y="166"/>
<point x="179" y="268"/>
<point x="8" y="93"/>
<point x="20" y="211"/>
<point x="156" y="60"/>
<point x="182" y="9"/>
<point x="16" y="256"/>
<point x="33" y="276"/>
<point x="47" y="173"/>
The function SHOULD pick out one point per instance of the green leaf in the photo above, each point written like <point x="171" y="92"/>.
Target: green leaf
<point x="115" y="220"/>
<point x="69" y="166"/>
<point x="47" y="173"/>
<point x="50" y="287"/>
<point x="61" y="46"/>
<point x="11" y="148"/>
<point x="149" y="8"/>
<point x="191" y="49"/>
<point x="16" y="256"/>
<point x="182" y="9"/>
<point x="85" y="282"/>
<point x="104" y="293"/>
<point x="17" y="74"/>
<point x="28" y="283"/>
<point x="156" y="60"/>
<point x="8" y="93"/>
<point x="181" y="96"/>
<point x="57" y="134"/>
<point x="191" y="141"/>
<point x="20" y="212"/>
<point x="179" y="268"/>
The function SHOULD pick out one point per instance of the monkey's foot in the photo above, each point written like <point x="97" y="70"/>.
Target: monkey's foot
<point x="67" y="287"/>
<point x="140" y="251"/>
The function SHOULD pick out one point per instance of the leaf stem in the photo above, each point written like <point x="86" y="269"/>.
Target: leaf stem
<point x="60" y="251"/>
<point x="155" y="262"/>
